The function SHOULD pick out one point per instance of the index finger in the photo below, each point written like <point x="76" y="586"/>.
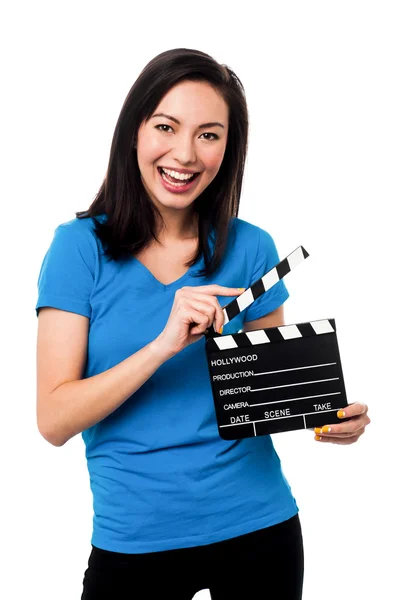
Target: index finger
<point x="219" y="290"/>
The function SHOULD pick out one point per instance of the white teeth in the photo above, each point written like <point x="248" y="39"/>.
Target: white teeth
<point x="176" y="175"/>
<point x="174" y="183"/>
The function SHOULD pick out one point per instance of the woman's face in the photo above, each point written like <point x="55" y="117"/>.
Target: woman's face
<point x="187" y="145"/>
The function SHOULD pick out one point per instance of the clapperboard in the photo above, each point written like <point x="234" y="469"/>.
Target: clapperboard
<point x="274" y="379"/>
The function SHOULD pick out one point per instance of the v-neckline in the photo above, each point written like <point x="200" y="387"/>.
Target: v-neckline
<point x="172" y="284"/>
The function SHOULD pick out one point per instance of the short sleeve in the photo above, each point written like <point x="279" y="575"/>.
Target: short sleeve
<point x="267" y="257"/>
<point x="66" y="275"/>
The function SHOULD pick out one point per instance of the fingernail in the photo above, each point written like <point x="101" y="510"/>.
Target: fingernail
<point x="240" y="289"/>
<point x="220" y="330"/>
<point x="325" y="429"/>
<point x="317" y="429"/>
<point x="317" y="438"/>
<point x="341" y="414"/>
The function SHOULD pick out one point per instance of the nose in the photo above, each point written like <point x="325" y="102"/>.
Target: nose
<point x="184" y="149"/>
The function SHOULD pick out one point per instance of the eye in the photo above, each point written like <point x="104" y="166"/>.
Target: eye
<point x="215" y="136"/>
<point x="156" y="126"/>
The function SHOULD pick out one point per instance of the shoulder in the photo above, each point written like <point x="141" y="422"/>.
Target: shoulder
<point x="76" y="240"/>
<point x="77" y="227"/>
<point x="80" y="231"/>
<point x="252" y="235"/>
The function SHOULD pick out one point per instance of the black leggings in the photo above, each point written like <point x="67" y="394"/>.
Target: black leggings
<point x="265" y="564"/>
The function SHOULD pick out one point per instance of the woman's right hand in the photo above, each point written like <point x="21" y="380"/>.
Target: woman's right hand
<point x="194" y="310"/>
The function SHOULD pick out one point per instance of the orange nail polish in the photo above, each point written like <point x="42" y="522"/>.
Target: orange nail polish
<point x="317" y="429"/>
<point x="325" y="429"/>
<point x="341" y="414"/>
<point x="317" y="437"/>
<point x="220" y="330"/>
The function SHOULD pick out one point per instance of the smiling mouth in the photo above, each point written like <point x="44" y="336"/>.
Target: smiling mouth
<point x="178" y="183"/>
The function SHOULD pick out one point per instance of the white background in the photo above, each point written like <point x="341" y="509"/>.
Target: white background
<point x="321" y="81"/>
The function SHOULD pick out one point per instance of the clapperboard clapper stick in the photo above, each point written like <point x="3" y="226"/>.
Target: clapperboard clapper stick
<point x="274" y="379"/>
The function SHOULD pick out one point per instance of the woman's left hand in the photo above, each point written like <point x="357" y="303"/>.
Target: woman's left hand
<point x="349" y="431"/>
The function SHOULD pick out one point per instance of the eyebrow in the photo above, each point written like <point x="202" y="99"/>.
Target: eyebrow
<point x="212" y="124"/>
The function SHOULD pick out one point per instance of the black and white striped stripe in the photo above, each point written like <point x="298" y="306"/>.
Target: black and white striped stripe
<point x="261" y="286"/>
<point x="271" y="334"/>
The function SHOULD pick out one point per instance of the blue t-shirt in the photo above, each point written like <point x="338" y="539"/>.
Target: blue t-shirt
<point x="161" y="476"/>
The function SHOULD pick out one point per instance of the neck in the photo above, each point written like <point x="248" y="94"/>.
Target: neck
<point x="178" y="230"/>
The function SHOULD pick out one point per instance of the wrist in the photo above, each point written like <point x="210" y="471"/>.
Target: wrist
<point x="159" y="350"/>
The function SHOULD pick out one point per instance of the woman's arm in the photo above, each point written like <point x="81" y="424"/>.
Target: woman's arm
<point x="67" y="404"/>
<point x="273" y="319"/>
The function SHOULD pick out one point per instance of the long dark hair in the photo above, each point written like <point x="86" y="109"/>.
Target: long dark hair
<point x="130" y="213"/>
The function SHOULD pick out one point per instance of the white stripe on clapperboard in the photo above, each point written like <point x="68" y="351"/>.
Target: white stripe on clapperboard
<point x="273" y="387"/>
<point x="296" y="368"/>
<point x="293" y="399"/>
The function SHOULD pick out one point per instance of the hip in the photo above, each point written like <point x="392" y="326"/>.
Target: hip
<point x="273" y="554"/>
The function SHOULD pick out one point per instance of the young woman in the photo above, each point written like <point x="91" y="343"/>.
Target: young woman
<point x="126" y="292"/>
